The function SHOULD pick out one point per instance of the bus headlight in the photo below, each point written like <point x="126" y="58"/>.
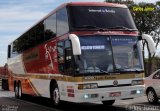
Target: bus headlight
<point x="87" y="86"/>
<point x="137" y="82"/>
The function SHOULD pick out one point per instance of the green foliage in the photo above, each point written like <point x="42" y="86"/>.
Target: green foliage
<point x="146" y="17"/>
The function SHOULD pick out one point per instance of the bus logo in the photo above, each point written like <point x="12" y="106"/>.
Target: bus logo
<point x="115" y="83"/>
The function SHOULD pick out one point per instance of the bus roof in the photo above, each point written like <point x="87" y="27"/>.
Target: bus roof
<point x="75" y="4"/>
<point x="96" y="4"/>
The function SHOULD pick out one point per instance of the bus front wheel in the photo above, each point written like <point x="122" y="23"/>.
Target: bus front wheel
<point x="55" y="95"/>
<point x="108" y="103"/>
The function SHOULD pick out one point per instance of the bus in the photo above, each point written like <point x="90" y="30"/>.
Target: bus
<point x="80" y="52"/>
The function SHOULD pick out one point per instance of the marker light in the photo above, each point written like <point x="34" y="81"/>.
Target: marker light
<point x="87" y="86"/>
<point x="88" y="96"/>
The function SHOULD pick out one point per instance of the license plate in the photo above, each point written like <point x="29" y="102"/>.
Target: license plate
<point x="115" y="94"/>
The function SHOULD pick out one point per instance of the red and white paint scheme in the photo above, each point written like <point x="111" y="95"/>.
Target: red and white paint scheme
<point x="80" y="52"/>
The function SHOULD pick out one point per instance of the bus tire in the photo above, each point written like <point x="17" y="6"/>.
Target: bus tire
<point x="55" y="94"/>
<point x="20" y="94"/>
<point x="16" y="90"/>
<point x="108" y="102"/>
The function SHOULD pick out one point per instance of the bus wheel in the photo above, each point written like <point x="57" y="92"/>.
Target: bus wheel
<point x="55" y="95"/>
<point x="16" y="91"/>
<point x="20" y="94"/>
<point x="108" y="103"/>
<point x="152" y="97"/>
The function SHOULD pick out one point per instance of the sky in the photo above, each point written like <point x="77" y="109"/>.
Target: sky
<point x="16" y="16"/>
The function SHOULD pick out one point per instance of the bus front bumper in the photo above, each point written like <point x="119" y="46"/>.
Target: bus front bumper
<point x="103" y="94"/>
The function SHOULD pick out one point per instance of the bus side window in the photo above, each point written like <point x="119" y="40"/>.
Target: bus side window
<point x="39" y="33"/>
<point x="60" y="49"/>
<point x="50" y="27"/>
<point x="9" y="51"/>
<point x="68" y="57"/>
<point x="62" y="22"/>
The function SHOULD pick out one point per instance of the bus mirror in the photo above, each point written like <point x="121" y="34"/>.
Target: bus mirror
<point x="151" y="44"/>
<point x="75" y="44"/>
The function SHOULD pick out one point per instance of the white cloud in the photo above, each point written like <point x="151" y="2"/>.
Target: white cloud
<point x="7" y="39"/>
<point x="20" y="14"/>
<point x="3" y="52"/>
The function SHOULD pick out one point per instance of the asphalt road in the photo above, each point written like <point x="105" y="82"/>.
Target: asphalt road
<point x="9" y="103"/>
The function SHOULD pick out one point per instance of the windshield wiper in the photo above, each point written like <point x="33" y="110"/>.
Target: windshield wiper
<point x="119" y="69"/>
<point x="139" y="70"/>
<point x="122" y="28"/>
<point x="91" y="27"/>
<point x="129" y="69"/>
<point x="104" y="71"/>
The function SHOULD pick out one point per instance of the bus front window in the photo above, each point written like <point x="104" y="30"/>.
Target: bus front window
<point x="104" y="17"/>
<point x="96" y="54"/>
<point x="126" y="53"/>
<point x="105" y="54"/>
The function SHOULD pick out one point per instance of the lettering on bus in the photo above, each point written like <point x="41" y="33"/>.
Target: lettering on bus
<point x="99" y="78"/>
<point x="101" y="11"/>
<point x="92" y="47"/>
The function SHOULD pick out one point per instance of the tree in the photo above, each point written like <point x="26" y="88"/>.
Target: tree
<point x="146" y="17"/>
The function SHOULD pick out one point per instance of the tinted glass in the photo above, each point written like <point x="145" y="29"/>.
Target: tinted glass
<point x="50" y="27"/>
<point x="68" y="57"/>
<point x="96" y="54"/>
<point x="60" y="51"/>
<point x="126" y="53"/>
<point x="9" y="51"/>
<point x="21" y="44"/>
<point x="28" y="40"/>
<point x="100" y="16"/>
<point x="103" y="54"/>
<point x="40" y="33"/>
<point x="62" y="22"/>
<point x="32" y="38"/>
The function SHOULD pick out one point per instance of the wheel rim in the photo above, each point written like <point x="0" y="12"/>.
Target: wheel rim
<point x="56" y="96"/>
<point x="16" y="91"/>
<point x="151" y="95"/>
<point x="20" y="91"/>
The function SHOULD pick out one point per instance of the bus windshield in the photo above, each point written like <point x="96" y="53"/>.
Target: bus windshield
<point x="92" y="17"/>
<point x="104" y="54"/>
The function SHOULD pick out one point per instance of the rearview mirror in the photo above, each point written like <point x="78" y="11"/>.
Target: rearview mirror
<point x="151" y="44"/>
<point x="75" y="44"/>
